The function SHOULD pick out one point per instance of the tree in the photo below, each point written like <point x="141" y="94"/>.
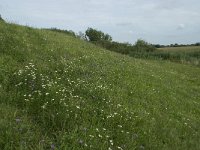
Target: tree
<point x="1" y="19"/>
<point x="94" y="35"/>
<point x="107" y="37"/>
<point x="81" y="35"/>
<point x="143" y="46"/>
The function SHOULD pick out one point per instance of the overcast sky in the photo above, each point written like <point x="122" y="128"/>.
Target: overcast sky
<point x="157" y="21"/>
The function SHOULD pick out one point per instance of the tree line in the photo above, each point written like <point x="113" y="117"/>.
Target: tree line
<point x="140" y="49"/>
<point x="1" y="19"/>
<point x="104" y="40"/>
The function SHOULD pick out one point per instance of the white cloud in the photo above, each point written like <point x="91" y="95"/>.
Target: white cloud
<point x="181" y="26"/>
<point x="130" y="32"/>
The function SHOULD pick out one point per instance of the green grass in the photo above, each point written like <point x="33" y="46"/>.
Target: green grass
<point x="184" y="49"/>
<point x="58" y="92"/>
<point x="18" y="132"/>
<point x="187" y="55"/>
<point x="184" y="55"/>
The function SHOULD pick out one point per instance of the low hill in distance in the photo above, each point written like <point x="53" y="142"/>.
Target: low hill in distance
<point x="59" y="92"/>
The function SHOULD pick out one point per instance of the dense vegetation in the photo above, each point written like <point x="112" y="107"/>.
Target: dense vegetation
<point x="105" y="40"/>
<point x="1" y="19"/>
<point x="184" y="55"/>
<point x="142" y="49"/>
<point x="187" y="54"/>
<point x="59" y="92"/>
<point x="95" y="36"/>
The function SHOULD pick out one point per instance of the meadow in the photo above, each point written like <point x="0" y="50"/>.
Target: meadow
<point x="184" y="55"/>
<point x="187" y="54"/>
<point x="61" y="93"/>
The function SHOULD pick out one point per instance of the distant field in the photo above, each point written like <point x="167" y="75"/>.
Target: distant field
<point x="184" y="55"/>
<point x="187" y="49"/>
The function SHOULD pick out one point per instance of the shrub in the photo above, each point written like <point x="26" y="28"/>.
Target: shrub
<point x="143" y="46"/>
<point x="1" y="19"/>
<point x="94" y="35"/>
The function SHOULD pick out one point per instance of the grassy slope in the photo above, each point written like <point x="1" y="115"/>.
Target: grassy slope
<point x="58" y="91"/>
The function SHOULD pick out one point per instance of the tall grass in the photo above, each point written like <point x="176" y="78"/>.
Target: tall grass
<point x="185" y="55"/>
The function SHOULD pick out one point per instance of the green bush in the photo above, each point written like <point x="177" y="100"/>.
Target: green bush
<point x="143" y="46"/>
<point x="1" y="19"/>
<point x="94" y="35"/>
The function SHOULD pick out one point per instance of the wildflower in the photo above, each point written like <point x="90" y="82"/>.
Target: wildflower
<point x="65" y="104"/>
<point x="80" y="141"/>
<point x="119" y="148"/>
<point x="20" y="83"/>
<point x="52" y="146"/>
<point x="142" y="147"/>
<point x="119" y="105"/>
<point x="42" y="141"/>
<point x="100" y="135"/>
<point x="44" y="106"/>
<point x="84" y="129"/>
<point x="111" y="142"/>
<point x="17" y="120"/>
<point x="27" y="100"/>
<point x="120" y="126"/>
<point x="91" y="136"/>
